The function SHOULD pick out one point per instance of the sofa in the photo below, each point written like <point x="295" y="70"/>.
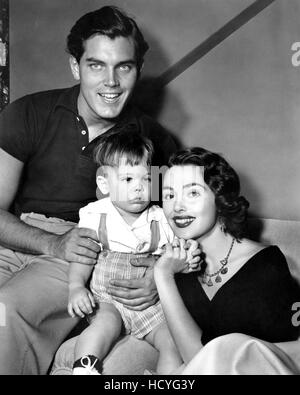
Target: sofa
<point x="131" y="356"/>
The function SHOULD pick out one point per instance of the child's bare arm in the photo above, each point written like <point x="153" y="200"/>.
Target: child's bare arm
<point x="79" y="274"/>
<point x="81" y="301"/>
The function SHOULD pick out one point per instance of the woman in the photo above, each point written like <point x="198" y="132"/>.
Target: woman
<point x="244" y="290"/>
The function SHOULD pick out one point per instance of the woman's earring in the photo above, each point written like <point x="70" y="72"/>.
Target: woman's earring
<point x="222" y="226"/>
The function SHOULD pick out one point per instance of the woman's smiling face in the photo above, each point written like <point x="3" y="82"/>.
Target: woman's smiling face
<point x="188" y="202"/>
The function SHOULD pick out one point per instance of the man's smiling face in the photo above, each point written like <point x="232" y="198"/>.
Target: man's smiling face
<point x="107" y="72"/>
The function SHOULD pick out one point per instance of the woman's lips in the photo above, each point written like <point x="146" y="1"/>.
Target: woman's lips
<point x="183" y="222"/>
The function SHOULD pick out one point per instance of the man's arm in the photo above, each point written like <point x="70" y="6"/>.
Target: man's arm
<point x="75" y="245"/>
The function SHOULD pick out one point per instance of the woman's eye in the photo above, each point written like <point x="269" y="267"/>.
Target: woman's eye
<point x="193" y="194"/>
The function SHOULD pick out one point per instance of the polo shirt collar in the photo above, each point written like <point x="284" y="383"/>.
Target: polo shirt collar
<point x="68" y="99"/>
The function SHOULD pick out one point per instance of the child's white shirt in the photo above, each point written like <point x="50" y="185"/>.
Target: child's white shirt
<point x="122" y="237"/>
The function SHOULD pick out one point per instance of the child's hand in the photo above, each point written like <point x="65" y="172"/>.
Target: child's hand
<point x="193" y="255"/>
<point x="81" y="302"/>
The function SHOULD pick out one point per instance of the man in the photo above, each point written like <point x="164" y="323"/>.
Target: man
<point x="47" y="174"/>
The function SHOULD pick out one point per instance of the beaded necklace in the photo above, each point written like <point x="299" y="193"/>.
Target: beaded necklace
<point x="207" y="278"/>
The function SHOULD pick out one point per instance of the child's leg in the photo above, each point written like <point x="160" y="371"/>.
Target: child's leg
<point x="169" y="357"/>
<point x="97" y="339"/>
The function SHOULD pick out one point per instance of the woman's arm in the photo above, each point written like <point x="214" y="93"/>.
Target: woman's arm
<point x="184" y="330"/>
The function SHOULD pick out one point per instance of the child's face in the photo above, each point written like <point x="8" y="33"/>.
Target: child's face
<point x="188" y="202"/>
<point x="129" y="187"/>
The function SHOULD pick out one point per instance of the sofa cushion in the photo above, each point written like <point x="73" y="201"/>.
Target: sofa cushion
<point x="129" y="356"/>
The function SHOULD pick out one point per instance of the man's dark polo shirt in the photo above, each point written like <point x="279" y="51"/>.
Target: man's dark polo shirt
<point x="46" y="133"/>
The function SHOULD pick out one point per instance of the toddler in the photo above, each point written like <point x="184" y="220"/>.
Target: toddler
<point x="128" y="228"/>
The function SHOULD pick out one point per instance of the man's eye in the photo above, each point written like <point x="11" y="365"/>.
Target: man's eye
<point x="128" y="179"/>
<point x="96" y="66"/>
<point x="125" y="67"/>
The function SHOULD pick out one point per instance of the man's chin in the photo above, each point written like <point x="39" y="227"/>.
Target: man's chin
<point x="111" y="113"/>
<point x="110" y="117"/>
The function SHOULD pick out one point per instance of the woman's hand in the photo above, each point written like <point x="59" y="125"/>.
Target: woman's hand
<point x="174" y="260"/>
<point x="180" y="257"/>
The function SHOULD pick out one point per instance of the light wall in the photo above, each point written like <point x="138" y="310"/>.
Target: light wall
<point x="241" y="100"/>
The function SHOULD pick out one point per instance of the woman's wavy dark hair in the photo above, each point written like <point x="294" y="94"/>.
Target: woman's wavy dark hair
<point x="224" y="183"/>
<point x="108" y="21"/>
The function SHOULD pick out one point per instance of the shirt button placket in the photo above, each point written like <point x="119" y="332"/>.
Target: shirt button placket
<point x="83" y="139"/>
<point x="83" y="132"/>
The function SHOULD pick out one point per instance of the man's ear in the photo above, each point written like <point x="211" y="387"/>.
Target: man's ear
<point x="102" y="184"/>
<point x="74" y="68"/>
<point x="140" y="70"/>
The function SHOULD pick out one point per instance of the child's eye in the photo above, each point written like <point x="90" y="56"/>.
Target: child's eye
<point x="168" y="196"/>
<point x="125" y="179"/>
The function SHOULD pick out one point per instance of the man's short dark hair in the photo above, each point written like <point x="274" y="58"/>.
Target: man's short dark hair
<point x="108" y="21"/>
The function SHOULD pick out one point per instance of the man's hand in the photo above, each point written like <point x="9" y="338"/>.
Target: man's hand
<point x="81" y="302"/>
<point x="77" y="245"/>
<point x="136" y="294"/>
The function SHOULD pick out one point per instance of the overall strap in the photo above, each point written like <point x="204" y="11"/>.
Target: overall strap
<point x="155" y="236"/>
<point x="102" y="231"/>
